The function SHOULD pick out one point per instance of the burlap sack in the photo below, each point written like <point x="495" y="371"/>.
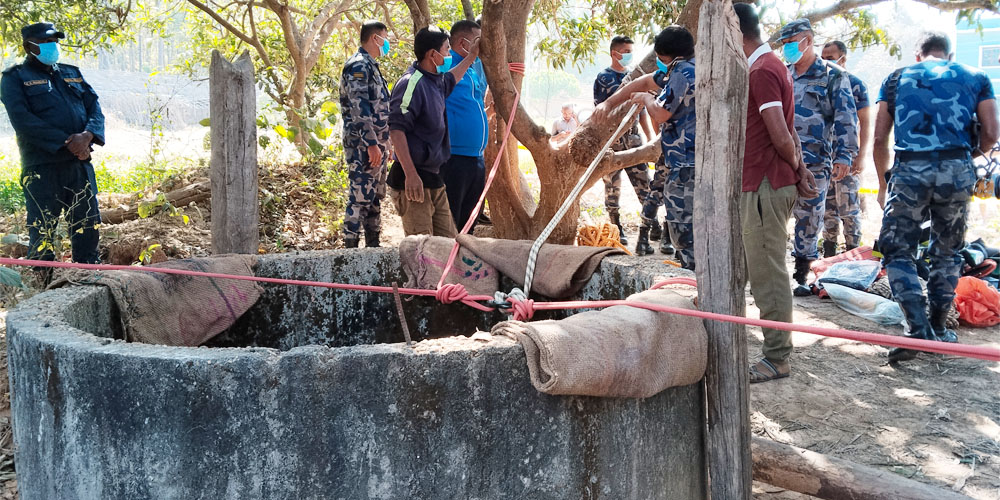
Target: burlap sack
<point x="424" y="257"/>
<point x="620" y="351"/>
<point x="177" y="310"/>
<point x="560" y="270"/>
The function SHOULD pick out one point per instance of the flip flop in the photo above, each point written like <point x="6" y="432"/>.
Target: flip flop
<point x="765" y="371"/>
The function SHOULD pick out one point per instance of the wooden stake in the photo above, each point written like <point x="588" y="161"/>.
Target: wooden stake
<point x="721" y="97"/>
<point x="233" y="117"/>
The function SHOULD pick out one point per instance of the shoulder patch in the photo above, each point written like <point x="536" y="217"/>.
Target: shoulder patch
<point x="73" y="80"/>
<point x="29" y="83"/>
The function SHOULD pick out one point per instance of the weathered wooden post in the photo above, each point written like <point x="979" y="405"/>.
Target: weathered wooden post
<point x="721" y="97"/>
<point x="233" y="117"/>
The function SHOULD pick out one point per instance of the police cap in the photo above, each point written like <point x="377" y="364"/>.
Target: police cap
<point x="41" y="31"/>
<point x="794" y="28"/>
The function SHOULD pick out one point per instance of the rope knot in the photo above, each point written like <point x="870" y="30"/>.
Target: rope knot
<point x="518" y="305"/>
<point x="451" y="292"/>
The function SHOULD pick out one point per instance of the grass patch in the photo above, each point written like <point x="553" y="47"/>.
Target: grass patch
<point x="114" y="175"/>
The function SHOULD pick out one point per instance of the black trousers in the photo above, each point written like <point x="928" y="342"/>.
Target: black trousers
<point x="464" y="180"/>
<point x="64" y="189"/>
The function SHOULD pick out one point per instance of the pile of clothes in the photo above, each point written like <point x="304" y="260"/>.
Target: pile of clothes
<point x="857" y="283"/>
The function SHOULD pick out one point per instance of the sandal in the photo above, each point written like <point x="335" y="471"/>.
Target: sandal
<point x="766" y="371"/>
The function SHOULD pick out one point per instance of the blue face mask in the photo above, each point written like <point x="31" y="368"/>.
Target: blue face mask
<point x="792" y="52"/>
<point x="626" y="59"/>
<point x="385" y="47"/>
<point x="48" y="53"/>
<point x="662" y="66"/>
<point x="446" y="65"/>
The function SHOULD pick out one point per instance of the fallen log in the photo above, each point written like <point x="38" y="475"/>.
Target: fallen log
<point x="811" y="473"/>
<point x="195" y="192"/>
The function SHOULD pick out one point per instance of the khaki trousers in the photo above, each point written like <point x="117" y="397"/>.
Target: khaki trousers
<point x="764" y="215"/>
<point x="432" y="216"/>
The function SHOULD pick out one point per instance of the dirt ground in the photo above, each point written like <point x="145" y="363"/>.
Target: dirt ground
<point x="935" y="419"/>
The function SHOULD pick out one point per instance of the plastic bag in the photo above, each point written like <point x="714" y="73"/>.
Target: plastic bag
<point x="858" y="274"/>
<point x="978" y="304"/>
<point x="866" y="305"/>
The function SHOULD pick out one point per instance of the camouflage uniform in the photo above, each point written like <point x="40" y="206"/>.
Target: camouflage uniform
<point x="364" y="105"/>
<point x="654" y="200"/>
<point x="826" y="120"/>
<point x="843" y="203"/>
<point x="677" y="141"/>
<point x="605" y="86"/>
<point x="933" y="176"/>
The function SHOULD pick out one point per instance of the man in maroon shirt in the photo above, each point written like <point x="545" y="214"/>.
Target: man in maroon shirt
<point x="774" y="175"/>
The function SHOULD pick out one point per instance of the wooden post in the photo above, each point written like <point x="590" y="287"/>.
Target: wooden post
<point x="721" y="97"/>
<point x="831" y="478"/>
<point x="233" y="117"/>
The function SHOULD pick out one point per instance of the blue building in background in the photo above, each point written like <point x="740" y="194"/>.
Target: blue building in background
<point x="979" y="46"/>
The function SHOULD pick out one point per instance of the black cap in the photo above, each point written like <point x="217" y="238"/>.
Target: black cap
<point x="41" y="31"/>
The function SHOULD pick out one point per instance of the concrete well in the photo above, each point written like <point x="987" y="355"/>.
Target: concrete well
<point x="311" y="396"/>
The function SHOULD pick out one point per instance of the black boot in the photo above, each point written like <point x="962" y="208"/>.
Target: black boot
<point x="939" y="319"/>
<point x="917" y="327"/>
<point x="616" y="220"/>
<point x="666" y="247"/>
<point x="371" y="239"/>
<point x="351" y="241"/>
<point x="848" y="247"/>
<point x="829" y="248"/>
<point x="800" y="275"/>
<point x="655" y="230"/>
<point x="642" y="246"/>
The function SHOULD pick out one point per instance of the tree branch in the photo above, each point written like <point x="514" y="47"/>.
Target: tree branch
<point x="221" y="20"/>
<point x="470" y="15"/>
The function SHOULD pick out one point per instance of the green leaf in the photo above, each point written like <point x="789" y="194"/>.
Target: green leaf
<point x="10" y="277"/>
<point x="328" y="108"/>
<point x="205" y="122"/>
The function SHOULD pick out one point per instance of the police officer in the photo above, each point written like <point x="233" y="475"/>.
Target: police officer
<point x="364" y="105"/>
<point x="56" y="117"/>
<point x="826" y="121"/>
<point x="843" y="201"/>
<point x="605" y="85"/>
<point x="933" y="106"/>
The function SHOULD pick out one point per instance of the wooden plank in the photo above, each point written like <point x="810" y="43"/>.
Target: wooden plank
<point x="721" y="96"/>
<point x="233" y="171"/>
<point x="831" y="478"/>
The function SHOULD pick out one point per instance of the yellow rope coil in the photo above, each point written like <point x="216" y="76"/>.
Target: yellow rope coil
<point x="603" y="235"/>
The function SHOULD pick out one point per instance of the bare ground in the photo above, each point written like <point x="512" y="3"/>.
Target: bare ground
<point x="935" y="419"/>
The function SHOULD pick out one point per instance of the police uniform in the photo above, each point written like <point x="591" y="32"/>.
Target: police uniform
<point x="826" y="121"/>
<point x="677" y="140"/>
<point x="933" y="175"/>
<point x="364" y="105"/>
<point x="606" y="84"/>
<point x="46" y="104"/>
<point x="843" y="203"/>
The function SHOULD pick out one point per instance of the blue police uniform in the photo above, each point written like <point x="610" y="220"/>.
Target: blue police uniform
<point x="364" y="106"/>
<point x="605" y="85"/>
<point x="47" y="104"/>
<point x="843" y="202"/>
<point x="677" y="140"/>
<point x="826" y="120"/>
<point x="933" y="176"/>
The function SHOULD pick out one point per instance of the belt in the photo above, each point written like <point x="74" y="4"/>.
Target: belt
<point x="944" y="154"/>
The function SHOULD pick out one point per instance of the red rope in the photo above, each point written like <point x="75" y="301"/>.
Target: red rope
<point x="524" y="310"/>
<point x="517" y="68"/>
<point x="446" y="294"/>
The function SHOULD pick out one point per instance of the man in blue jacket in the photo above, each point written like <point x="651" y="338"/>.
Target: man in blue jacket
<point x="57" y="119"/>
<point x="418" y="129"/>
<point x="464" y="173"/>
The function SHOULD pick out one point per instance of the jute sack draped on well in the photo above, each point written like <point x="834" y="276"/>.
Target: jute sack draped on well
<point x="178" y="310"/>
<point x="620" y="351"/>
<point x="424" y="257"/>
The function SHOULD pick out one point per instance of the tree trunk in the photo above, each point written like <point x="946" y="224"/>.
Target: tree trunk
<point x="420" y="12"/>
<point x="721" y="97"/>
<point x="559" y="168"/>
<point x="470" y="14"/>
<point x="831" y="478"/>
<point x="233" y="114"/>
